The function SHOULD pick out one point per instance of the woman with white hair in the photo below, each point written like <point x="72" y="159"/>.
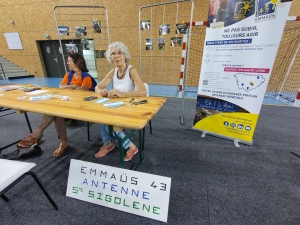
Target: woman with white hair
<point x="126" y="83"/>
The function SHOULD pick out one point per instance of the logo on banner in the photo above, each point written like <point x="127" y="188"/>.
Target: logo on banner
<point x="266" y="9"/>
<point x="241" y="8"/>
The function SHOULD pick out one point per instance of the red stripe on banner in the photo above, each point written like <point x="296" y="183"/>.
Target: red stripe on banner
<point x="180" y="87"/>
<point x="181" y="75"/>
<point x="182" y="61"/>
<point x="183" y="45"/>
<point x="193" y="23"/>
<point x="297" y="18"/>
<point x="298" y="96"/>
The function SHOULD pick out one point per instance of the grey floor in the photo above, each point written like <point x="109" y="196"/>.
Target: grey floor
<point x="213" y="182"/>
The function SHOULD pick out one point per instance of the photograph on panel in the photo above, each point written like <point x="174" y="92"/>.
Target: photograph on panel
<point x="176" y="41"/>
<point x="97" y="25"/>
<point x="182" y="28"/>
<point x="71" y="48"/>
<point x="164" y="29"/>
<point x="85" y="43"/>
<point x="100" y="53"/>
<point x="149" y="44"/>
<point x="63" y="30"/>
<point x="145" y="25"/>
<point x="161" y="43"/>
<point x="81" y="31"/>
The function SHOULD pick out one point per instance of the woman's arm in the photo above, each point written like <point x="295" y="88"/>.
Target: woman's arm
<point x="86" y="84"/>
<point x="64" y="83"/>
<point x="84" y="88"/>
<point x="66" y="86"/>
<point x="100" y="88"/>
<point x="140" y="87"/>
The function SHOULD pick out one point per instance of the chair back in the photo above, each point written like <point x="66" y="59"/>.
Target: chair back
<point x="147" y="89"/>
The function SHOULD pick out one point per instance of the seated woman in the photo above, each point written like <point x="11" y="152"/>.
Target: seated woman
<point x="126" y="83"/>
<point x="78" y="78"/>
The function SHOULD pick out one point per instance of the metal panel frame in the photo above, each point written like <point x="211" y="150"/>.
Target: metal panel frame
<point x="78" y="6"/>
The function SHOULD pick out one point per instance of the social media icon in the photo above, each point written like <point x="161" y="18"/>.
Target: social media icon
<point x="248" y="128"/>
<point x="240" y="126"/>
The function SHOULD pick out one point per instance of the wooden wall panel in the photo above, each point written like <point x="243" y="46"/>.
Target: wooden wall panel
<point x="34" y="18"/>
<point x="11" y="2"/>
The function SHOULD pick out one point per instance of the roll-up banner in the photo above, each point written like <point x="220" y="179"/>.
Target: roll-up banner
<point x="241" y="42"/>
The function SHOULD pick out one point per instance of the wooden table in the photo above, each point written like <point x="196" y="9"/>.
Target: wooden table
<point x="129" y="116"/>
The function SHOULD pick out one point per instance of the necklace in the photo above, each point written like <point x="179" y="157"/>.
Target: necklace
<point x="123" y="74"/>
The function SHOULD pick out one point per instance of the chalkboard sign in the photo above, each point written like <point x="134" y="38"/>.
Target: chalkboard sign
<point x="216" y="104"/>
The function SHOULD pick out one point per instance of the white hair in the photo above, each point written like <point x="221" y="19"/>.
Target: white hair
<point x="120" y="47"/>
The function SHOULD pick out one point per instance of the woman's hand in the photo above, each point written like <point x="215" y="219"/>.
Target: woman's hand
<point x="84" y="88"/>
<point x="103" y="92"/>
<point x="114" y="93"/>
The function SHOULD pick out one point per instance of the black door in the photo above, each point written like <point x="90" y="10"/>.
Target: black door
<point x="53" y="60"/>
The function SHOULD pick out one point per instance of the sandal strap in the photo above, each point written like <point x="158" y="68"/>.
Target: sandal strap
<point x="32" y="138"/>
<point x="63" y="146"/>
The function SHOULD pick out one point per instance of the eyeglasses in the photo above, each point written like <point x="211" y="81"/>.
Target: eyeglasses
<point x="140" y="102"/>
<point x="116" y="53"/>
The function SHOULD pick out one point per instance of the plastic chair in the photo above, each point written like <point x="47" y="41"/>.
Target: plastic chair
<point x="11" y="172"/>
<point x="147" y="89"/>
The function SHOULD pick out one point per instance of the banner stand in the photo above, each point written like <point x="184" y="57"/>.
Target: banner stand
<point x="239" y="51"/>
<point x="222" y="136"/>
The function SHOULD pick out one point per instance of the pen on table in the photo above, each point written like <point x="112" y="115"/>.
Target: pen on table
<point x="131" y="100"/>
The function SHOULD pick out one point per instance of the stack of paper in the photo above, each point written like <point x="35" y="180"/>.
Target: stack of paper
<point x="39" y="98"/>
<point x="102" y="100"/>
<point x="113" y="104"/>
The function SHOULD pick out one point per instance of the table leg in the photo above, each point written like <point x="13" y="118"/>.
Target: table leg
<point x="121" y="141"/>
<point x="141" y="148"/>
<point x="28" y="123"/>
<point x="29" y="126"/>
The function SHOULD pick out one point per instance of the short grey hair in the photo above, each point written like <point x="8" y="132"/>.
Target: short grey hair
<point x="120" y="47"/>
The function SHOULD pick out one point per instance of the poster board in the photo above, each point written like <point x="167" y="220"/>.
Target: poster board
<point x="129" y="191"/>
<point x="13" y="40"/>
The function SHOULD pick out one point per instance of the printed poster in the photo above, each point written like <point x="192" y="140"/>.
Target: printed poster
<point x="176" y="41"/>
<point x="242" y="39"/>
<point x="149" y="44"/>
<point x="145" y="25"/>
<point x="100" y="53"/>
<point x="63" y="30"/>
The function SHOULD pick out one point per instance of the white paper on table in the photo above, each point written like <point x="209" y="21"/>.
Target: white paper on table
<point x="101" y="100"/>
<point x="36" y="92"/>
<point x="8" y="88"/>
<point x="15" y="86"/>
